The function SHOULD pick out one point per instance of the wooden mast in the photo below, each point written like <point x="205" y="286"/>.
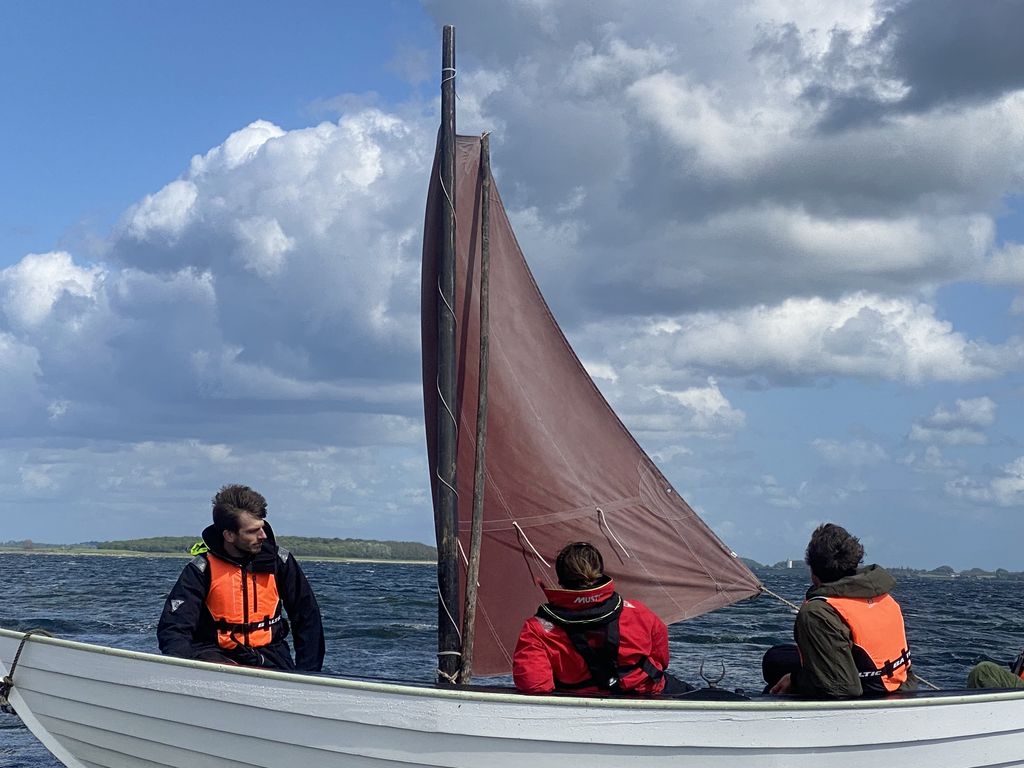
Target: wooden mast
<point x="446" y="509"/>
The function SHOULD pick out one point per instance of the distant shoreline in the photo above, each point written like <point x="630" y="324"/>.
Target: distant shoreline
<point x="185" y="555"/>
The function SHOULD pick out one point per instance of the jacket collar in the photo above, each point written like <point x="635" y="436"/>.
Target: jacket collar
<point x="262" y="561"/>
<point x="580" y="599"/>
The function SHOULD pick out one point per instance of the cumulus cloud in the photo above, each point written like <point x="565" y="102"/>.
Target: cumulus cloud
<point x="964" y="424"/>
<point x="800" y="340"/>
<point x="914" y="56"/>
<point x="708" y="184"/>
<point x="1004" y="488"/>
<point x="31" y="290"/>
<point x="281" y="267"/>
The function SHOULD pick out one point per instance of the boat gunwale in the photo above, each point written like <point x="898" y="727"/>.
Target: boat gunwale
<point x="427" y="690"/>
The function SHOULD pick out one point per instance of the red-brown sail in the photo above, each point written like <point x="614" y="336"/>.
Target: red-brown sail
<point x="561" y="467"/>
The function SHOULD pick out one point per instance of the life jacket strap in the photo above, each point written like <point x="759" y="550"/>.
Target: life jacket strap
<point x="265" y="623"/>
<point x="889" y="667"/>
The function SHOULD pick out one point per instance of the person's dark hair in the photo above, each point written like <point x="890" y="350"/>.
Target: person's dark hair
<point x="232" y="501"/>
<point x="579" y="566"/>
<point x="833" y="552"/>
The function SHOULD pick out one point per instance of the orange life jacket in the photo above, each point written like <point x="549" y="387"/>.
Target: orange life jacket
<point x="880" y="647"/>
<point x="245" y="605"/>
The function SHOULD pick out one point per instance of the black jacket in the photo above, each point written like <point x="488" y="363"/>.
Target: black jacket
<point x="186" y="626"/>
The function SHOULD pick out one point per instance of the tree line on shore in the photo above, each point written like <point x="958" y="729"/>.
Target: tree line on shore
<point x="300" y="546"/>
<point x="372" y="549"/>
<point x="943" y="571"/>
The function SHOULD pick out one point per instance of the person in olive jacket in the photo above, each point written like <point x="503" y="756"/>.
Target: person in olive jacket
<point x="229" y="602"/>
<point x="850" y="637"/>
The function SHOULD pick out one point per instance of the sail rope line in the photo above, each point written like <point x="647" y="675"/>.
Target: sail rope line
<point x="451" y="415"/>
<point x="453" y="679"/>
<point x="780" y="598"/>
<point x="530" y="543"/>
<point x="7" y="684"/>
<point x="462" y="552"/>
<point x="445" y="79"/>
<point x="602" y="518"/>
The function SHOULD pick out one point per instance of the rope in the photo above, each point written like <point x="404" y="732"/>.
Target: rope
<point x="465" y="560"/>
<point x="450" y="679"/>
<point x="530" y="544"/>
<point x="443" y="604"/>
<point x="455" y="324"/>
<point x="8" y="682"/>
<point x="603" y="519"/>
<point x="920" y="679"/>
<point x="780" y="598"/>
<point x="449" y="77"/>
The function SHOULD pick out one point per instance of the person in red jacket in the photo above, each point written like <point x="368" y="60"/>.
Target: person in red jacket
<point x="589" y="639"/>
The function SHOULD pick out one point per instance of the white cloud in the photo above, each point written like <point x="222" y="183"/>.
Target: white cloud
<point x="708" y="411"/>
<point x="1007" y="265"/>
<point x="164" y="214"/>
<point x="931" y="460"/>
<point x="19" y="364"/>
<point x="1006" y="488"/>
<point x="965" y="424"/>
<point x="709" y="184"/>
<point x="30" y="289"/>
<point x="239" y="148"/>
<point x="263" y="245"/>
<point x="852" y="453"/>
<point x="859" y="335"/>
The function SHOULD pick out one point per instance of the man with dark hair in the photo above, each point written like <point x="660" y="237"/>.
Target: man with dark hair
<point x="227" y="604"/>
<point x="588" y="639"/>
<point x="850" y="638"/>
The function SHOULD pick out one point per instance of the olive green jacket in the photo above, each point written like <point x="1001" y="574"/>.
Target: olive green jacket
<point x="825" y="641"/>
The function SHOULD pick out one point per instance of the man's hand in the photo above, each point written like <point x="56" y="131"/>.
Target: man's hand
<point x="785" y="684"/>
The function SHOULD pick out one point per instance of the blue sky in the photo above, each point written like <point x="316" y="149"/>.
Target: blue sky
<point x="784" y="237"/>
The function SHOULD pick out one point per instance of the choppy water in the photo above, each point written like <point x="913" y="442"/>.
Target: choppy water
<point x="380" y="620"/>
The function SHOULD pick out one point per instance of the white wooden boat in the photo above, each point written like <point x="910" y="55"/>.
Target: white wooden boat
<point x="560" y="466"/>
<point x="94" y="706"/>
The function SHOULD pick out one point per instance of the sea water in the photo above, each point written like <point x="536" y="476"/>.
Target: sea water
<point x="380" y="620"/>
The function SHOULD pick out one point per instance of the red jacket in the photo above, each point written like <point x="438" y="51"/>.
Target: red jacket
<point x="545" y="657"/>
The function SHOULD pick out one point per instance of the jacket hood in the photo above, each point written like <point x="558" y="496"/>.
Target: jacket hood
<point x="871" y="581"/>
<point x="266" y="556"/>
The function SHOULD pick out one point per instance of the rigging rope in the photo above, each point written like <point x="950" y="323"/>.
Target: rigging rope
<point x="920" y="679"/>
<point x="530" y="544"/>
<point x="780" y="598"/>
<point x="455" y="321"/>
<point x="440" y="599"/>
<point x="602" y="518"/>
<point x="8" y="682"/>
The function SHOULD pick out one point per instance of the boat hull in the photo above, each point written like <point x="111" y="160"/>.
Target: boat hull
<point x="95" y="706"/>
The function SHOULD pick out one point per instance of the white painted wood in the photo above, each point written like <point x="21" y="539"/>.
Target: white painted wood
<point x="94" y="706"/>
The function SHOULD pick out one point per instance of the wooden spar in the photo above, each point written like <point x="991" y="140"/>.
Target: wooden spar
<point x="446" y="513"/>
<point x="476" y="531"/>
